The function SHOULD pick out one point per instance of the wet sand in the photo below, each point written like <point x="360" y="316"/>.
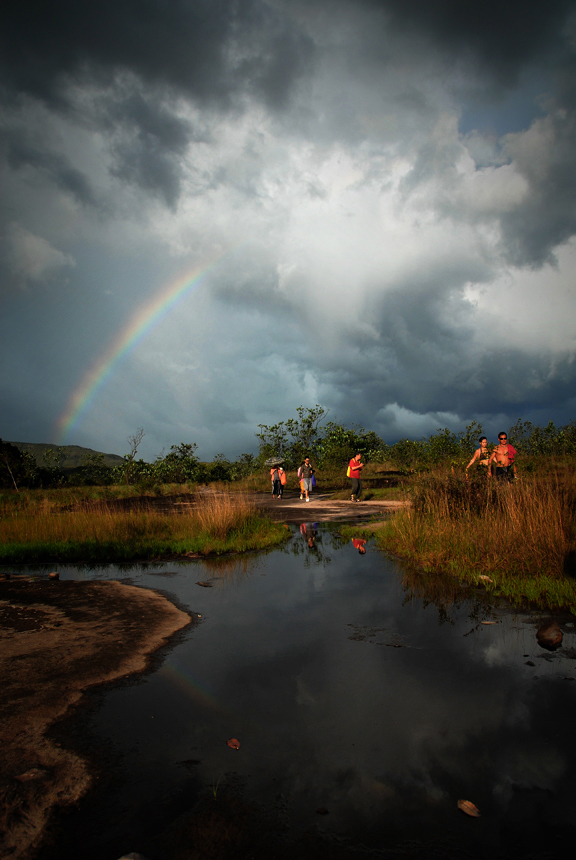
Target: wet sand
<point x="57" y="639"/>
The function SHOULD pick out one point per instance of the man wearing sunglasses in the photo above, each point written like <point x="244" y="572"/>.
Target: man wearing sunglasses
<point x="503" y="458"/>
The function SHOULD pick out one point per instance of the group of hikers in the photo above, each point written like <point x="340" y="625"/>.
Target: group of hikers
<point x="500" y="462"/>
<point x="307" y="481"/>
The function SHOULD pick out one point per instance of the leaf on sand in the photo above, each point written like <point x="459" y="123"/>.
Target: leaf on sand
<point x="488" y="622"/>
<point x="468" y="807"/>
<point x="234" y="743"/>
<point x="205" y="584"/>
<point x="485" y="578"/>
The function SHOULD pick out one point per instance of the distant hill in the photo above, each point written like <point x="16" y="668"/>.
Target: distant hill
<point x="74" y="454"/>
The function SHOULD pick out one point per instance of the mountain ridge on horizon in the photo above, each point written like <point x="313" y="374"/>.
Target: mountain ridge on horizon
<point x="74" y="454"/>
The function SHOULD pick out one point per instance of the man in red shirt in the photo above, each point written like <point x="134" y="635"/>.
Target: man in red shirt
<point x="355" y="468"/>
<point x="503" y="458"/>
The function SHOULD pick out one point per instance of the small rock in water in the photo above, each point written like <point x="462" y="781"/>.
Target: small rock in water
<point x="133" y="856"/>
<point x="54" y="575"/>
<point x="549" y="636"/>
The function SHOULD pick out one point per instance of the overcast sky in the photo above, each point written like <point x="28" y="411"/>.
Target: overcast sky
<point x="383" y="193"/>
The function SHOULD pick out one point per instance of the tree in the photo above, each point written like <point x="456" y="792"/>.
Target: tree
<point x="179" y="466"/>
<point x="94" y="470"/>
<point x="470" y="438"/>
<point x="127" y="470"/>
<point x="51" y="473"/>
<point x="305" y="432"/>
<point x="293" y="439"/>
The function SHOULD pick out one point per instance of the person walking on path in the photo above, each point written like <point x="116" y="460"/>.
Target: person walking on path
<point x="504" y="459"/>
<point x="282" y="474"/>
<point x="481" y="456"/>
<point x="276" y="479"/>
<point x="305" y="473"/>
<point x="354" y="473"/>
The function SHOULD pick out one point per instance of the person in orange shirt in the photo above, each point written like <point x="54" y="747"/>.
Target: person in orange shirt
<point x="355" y="467"/>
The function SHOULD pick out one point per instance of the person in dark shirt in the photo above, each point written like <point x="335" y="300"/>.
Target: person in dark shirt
<point x="305" y="473"/>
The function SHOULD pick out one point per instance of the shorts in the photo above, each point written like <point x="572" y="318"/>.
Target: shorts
<point x="307" y="484"/>
<point x="505" y="473"/>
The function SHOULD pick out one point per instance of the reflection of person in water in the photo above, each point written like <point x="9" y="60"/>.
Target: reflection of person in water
<point x="308" y="532"/>
<point x="360" y="545"/>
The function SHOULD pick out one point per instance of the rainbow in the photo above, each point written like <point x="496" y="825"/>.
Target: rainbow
<point x="194" y="689"/>
<point x="145" y="318"/>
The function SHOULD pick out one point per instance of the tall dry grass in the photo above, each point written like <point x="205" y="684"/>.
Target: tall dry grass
<point x="527" y="529"/>
<point x="216" y="522"/>
<point x="218" y="513"/>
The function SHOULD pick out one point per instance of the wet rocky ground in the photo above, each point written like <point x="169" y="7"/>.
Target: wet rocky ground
<point x="57" y="639"/>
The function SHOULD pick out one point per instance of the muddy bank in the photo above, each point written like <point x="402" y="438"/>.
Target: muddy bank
<point x="56" y="640"/>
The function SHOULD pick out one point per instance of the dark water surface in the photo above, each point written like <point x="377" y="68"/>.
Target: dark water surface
<point x="350" y="692"/>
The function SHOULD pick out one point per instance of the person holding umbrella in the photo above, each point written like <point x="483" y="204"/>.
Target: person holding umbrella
<point x="277" y="476"/>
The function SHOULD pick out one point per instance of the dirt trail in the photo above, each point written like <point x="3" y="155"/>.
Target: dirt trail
<point x="322" y="508"/>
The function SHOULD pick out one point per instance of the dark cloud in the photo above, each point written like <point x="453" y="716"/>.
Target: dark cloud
<point x="501" y="35"/>
<point x="149" y="141"/>
<point x="21" y="150"/>
<point x="207" y="49"/>
<point x="141" y="55"/>
<point x="547" y="216"/>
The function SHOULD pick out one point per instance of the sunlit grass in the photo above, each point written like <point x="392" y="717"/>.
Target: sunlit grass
<point x="523" y="536"/>
<point x="216" y="523"/>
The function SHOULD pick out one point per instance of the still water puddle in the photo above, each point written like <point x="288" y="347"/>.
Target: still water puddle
<point x="364" y="706"/>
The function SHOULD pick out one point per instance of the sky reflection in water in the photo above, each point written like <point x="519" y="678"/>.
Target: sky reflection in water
<point x="347" y="691"/>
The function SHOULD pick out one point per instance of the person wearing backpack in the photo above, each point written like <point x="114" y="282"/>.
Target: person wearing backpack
<point x="305" y="474"/>
<point x="276" y="481"/>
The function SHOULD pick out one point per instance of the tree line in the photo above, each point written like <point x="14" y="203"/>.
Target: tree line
<point x="308" y="433"/>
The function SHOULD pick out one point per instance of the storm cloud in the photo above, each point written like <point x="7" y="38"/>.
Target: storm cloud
<point x="383" y="194"/>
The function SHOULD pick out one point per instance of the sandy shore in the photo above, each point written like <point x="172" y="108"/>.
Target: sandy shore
<point x="56" y="640"/>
